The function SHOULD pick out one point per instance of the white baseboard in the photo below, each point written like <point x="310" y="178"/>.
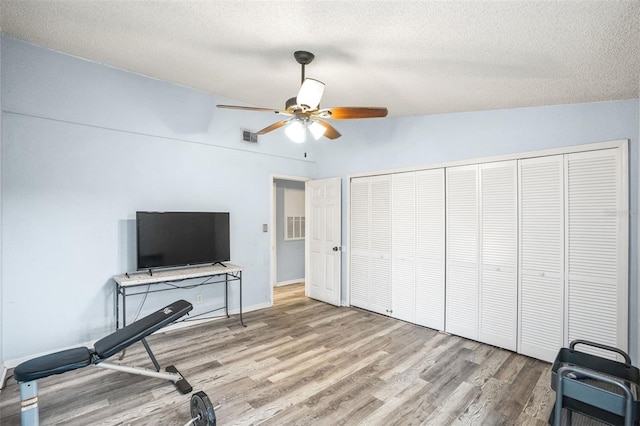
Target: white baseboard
<point x="195" y="321"/>
<point x="289" y="282"/>
<point x="13" y="363"/>
<point x="3" y="376"/>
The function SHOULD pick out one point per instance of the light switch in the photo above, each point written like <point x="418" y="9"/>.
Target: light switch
<point x="265" y="228"/>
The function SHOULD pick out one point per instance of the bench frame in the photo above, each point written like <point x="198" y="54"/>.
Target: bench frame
<point x="136" y="331"/>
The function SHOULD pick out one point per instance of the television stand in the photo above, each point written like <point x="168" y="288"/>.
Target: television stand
<point x="167" y="280"/>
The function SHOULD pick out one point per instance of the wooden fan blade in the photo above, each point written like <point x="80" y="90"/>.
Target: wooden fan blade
<point x="346" y="113"/>
<point x="330" y="132"/>
<point x="246" y="108"/>
<point x="272" y="127"/>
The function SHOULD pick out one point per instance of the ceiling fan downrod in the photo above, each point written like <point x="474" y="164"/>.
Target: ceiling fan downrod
<point x="303" y="58"/>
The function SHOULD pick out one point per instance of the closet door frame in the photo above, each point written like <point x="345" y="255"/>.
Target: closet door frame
<point x="618" y="143"/>
<point x="623" y="211"/>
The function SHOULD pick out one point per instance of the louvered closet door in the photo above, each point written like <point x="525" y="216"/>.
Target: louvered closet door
<point x="541" y="295"/>
<point x="380" y="245"/>
<point x="430" y="248"/>
<point x="597" y="248"/>
<point x="498" y="289"/>
<point x="403" y="246"/>
<point x="462" y="251"/>
<point x="360" y="232"/>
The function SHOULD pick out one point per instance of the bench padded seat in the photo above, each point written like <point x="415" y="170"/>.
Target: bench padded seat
<point x="55" y="363"/>
<point x="71" y="359"/>
<point x="124" y="337"/>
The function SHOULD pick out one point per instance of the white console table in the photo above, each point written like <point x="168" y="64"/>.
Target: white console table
<point x="165" y="280"/>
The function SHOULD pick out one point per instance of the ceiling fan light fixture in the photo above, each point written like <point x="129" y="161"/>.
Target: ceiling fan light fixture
<point x="296" y="131"/>
<point x="310" y="93"/>
<point x="316" y="129"/>
<point x="304" y="110"/>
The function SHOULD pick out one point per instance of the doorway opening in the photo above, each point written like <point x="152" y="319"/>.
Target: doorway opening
<point x="288" y="231"/>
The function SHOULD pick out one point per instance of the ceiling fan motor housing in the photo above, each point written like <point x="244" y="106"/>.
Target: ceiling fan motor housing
<point x="291" y="102"/>
<point x="303" y="57"/>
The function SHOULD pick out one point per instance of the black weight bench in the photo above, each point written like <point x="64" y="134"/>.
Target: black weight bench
<point x="28" y="372"/>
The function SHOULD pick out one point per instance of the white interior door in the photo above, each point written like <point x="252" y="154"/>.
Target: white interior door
<point x="403" y="246"/>
<point x="498" y="286"/>
<point x="541" y="294"/>
<point x="371" y="243"/>
<point x="430" y="248"/>
<point x="596" y="248"/>
<point x="360" y="231"/>
<point x="323" y="243"/>
<point x="462" y="251"/>
<point x="380" y="245"/>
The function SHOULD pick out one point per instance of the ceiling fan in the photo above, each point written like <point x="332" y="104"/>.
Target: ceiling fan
<point x="304" y="110"/>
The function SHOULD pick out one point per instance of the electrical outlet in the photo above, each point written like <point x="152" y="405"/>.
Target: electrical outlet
<point x="199" y="298"/>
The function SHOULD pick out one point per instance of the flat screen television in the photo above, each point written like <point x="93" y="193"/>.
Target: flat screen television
<point x="173" y="239"/>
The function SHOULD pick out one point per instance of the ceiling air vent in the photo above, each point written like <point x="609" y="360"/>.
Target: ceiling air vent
<point x="249" y="137"/>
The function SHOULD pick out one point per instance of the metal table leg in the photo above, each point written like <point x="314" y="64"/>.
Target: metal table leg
<point x="240" y="280"/>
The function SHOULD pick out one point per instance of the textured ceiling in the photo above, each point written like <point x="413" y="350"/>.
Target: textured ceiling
<point x="416" y="58"/>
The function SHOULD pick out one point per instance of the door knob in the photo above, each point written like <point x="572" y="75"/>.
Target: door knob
<point x="336" y="248"/>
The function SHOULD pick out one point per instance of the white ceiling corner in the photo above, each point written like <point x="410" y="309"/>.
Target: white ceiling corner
<point x="416" y="58"/>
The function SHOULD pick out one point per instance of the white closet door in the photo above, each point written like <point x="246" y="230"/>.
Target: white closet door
<point x="498" y="287"/>
<point x="541" y="295"/>
<point x="597" y="244"/>
<point x="430" y="248"/>
<point x="380" y="245"/>
<point x="462" y="251"/>
<point x="403" y="246"/>
<point x="360" y="231"/>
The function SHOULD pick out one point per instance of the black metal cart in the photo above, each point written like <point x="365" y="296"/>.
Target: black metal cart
<point x="601" y="388"/>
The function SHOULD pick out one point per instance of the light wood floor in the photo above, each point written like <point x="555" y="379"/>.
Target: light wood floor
<point x="304" y="362"/>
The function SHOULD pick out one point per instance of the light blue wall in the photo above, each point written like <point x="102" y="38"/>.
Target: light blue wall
<point x="289" y="254"/>
<point x="2" y="320"/>
<point x="415" y="141"/>
<point x="84" y="147"/>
